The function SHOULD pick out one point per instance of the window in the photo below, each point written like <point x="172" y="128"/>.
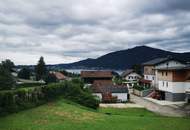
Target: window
<point x="146" y="77"/>
<point x="166" y="73"/>
<point x="162" y="83"/>
<point x="166" y="84"/>
<point x="167" y="64"/>
<point x="152" y="78"/>
<point x="162" y="73"/>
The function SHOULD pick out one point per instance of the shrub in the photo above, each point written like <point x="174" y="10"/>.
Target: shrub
<point x="25" y="85"/>
<point x="71" y="91"/>
<point x="20" y="99"/>
<point x="140" y="88"/>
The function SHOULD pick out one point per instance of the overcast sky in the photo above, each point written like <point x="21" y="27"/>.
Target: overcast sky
<point x="65" y="31"/>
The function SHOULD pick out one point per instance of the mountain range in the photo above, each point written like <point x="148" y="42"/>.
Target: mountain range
<point x="124" y="59"/>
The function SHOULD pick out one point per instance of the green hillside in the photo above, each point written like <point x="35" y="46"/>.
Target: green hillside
<point x="64" y="115"/>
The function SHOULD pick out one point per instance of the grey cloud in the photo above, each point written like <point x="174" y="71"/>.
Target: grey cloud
<point x="73" y="30"/>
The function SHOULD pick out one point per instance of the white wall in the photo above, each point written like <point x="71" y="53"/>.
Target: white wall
<point x="99" y="95"/>
<point x="187" y="86"/>
<point x="151" y="77"/>
<point x="171" y="63"/>
<point x="134" y="75"/>
<point x="120" y="96"/>
<point x="174" y="87"/>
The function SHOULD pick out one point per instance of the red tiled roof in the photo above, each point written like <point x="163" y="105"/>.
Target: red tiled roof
<point x="59" y="76"/>
<point x="145" y="81"/>
<point x="96" y="74"/>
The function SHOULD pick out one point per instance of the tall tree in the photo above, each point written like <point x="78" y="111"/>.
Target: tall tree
<point x="6" y="79"/>
<point x="8" y="64"/>
<point x="40" y="69"/>
<point x="24" y="73"/>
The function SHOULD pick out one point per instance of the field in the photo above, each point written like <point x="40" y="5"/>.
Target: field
<point x="65" y="115"/>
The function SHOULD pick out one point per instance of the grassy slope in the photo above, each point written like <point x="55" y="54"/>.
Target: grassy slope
<point x="64" y="115"/>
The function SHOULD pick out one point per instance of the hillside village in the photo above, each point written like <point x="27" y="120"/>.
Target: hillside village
<point x="163" y="87"/>
<point x="164" y="81"/>
<point x="95" y="65"/>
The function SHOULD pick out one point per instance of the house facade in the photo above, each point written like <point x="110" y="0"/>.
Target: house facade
<point x="174" y="83"/>
<point x="131" y="78"/>
<point x="100" y="82"/>
<point x="130" y="75"/>
<point x="149" y="74"/>
<point x="170" y="77"/>
<point x="150" y="68"/>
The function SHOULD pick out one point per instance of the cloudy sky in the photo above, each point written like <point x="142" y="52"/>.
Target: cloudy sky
<point x="65" y="31"/>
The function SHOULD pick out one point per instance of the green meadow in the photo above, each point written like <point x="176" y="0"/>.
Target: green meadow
<point x="65" y="115"/>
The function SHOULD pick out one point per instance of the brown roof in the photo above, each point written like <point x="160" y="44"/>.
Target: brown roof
<point x="100" y="83"/>
<point x="145" y="81"/>
<point x="110" y="89"/>
<point x="59" y="75"/>
<point x="96" y="74"/>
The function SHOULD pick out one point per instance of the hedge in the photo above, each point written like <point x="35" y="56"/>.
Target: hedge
<point x="20" y="99"/>
<point x="140" y="88"/>
<point x="24" y="85"/>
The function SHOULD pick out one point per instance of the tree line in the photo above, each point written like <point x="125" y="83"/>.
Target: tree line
<point x="7" y="67"/>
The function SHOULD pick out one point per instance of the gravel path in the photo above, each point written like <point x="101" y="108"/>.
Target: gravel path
<point x="121" y="105"/>
<point x="162" y="110"/>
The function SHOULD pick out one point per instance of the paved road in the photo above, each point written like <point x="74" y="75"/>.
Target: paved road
<point x="162" y="110"/>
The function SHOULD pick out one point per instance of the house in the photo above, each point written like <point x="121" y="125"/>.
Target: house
<point x="111" y="93"/>
<point x="131" y="78"/>
<point x="102" y="86"/>
<point x="174" y="83"/>
<point x="150" y="68"/>
<point x="130" y="75"/>
<point x="90" y="76"/>
<point x="59" y="76"/>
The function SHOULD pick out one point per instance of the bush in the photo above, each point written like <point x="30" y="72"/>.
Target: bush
<point x="140" y="88"/>
<point x="25" y="85"/>
<point x="20" y="99"/>
<point x="72" y="91"/>
<point x="16" y="100"/>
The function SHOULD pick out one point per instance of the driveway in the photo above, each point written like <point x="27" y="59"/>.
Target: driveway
<point x="121" y="105"/>
<point x="160" y="109"/>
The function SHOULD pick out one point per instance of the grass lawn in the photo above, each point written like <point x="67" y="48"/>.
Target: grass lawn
<point x="64" y="115"/>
